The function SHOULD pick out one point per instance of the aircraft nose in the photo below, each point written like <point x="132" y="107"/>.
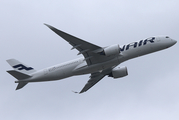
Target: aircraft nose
<point x="174" y="42"/>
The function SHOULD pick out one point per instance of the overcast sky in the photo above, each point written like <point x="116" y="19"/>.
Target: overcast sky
<point x="149" y="92"/>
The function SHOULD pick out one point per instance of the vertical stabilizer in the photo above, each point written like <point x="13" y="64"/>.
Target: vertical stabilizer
<point x="19" y="66"/>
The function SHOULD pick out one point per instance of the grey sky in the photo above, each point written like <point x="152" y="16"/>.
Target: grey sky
<point x="150" y="91"/>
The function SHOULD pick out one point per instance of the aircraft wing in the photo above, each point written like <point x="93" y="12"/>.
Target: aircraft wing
<point x="95" y="78"/>
<point x="91" y="82"/>
<point x="87" y="49"/>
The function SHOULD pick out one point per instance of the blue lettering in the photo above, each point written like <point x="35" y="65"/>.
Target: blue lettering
<point x="132" y="44"/>
<point x="151" y="40"/>
<point x="22" y="67"/>
<point x="140" y="43"/>
<point x="122" y="49"/>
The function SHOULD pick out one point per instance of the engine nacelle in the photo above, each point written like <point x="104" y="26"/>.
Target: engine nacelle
<point x="111" y="50"/>
<point x="118" y="72"/>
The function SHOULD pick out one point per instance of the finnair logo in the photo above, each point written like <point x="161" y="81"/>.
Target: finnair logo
<point x="22" y="67"/>
<point x="138" y="44"/>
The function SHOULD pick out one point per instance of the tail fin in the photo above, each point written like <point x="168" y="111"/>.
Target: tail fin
<point x="20" y="72"/>
<point x="19" y="66"/>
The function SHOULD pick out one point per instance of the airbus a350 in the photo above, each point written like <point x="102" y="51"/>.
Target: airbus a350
<point x="97" y="61"/>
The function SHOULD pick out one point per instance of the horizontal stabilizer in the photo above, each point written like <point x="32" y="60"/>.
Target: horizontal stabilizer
<point x="21" y="85"/>
<point x="18" y="75"/>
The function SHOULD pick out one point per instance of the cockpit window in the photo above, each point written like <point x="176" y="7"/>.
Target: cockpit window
<point x="167" y="37"/>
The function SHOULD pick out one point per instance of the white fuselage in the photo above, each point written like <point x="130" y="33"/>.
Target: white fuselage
<point x="79" y="66"/>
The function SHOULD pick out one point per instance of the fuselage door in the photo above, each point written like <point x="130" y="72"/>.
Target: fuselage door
<point x="45" y="71"/>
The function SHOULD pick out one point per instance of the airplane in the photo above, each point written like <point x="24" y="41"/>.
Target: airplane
<point x="97" y="61"/>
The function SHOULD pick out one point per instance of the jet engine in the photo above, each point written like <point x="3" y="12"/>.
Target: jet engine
<point x="111" y="50"/>
<point x="118" y="72"/>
